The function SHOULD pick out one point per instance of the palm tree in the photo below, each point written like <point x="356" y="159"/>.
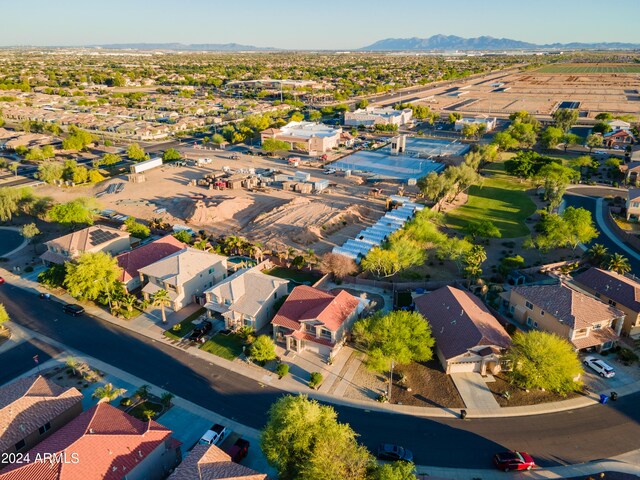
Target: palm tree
<point x="129" y="301"/>
<point x="161" y="299"/>
<point x="108" y="393"/>
<point x="201" y="244"/>
<point x="311" y="257"/>
<point x="619" y="264"/>
<point x="166" y="399"/>
<point x="597" y="253"/>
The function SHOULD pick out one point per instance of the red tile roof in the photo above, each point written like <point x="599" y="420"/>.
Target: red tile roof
<point x="107" y="443"/>
<point x="308" y="303"/>
<point x="208" y="462"/>
<point x="460" y="321"/>
<point x="28" y="403"/>
<point x="132" y="261"/>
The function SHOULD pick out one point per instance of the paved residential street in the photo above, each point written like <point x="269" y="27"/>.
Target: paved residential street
<point x="568" y="437"/>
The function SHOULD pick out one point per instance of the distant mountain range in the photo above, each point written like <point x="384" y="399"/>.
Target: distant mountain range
<point x="193" y="47"/>
<point x="453" y="42"/>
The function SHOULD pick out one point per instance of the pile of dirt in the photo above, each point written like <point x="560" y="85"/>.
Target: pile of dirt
<point x="304" y="221"/>
<point x="204" y="212"/>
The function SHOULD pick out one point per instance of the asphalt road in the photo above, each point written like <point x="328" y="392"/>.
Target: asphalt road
<point x="570" y="437"/>
<point x="612" y="243"/>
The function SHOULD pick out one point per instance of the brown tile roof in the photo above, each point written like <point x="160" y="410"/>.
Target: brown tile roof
<point x="29" y="403"/>
<point x="573" y="308"/>
<point x="308" y="303"/>
<point x="130" y="262"/>
<point x="619" y="288"/>
<point x="595" y="338"/>
<point x="208" y="462"/>
<point x="108" y="442"/>
<point x="460" y="321"/>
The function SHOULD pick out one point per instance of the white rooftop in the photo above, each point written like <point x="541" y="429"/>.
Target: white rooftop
<point x="308" y="130"/>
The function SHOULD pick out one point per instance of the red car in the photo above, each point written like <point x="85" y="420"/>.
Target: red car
<point x="509" y="461"/>
<point x="1" y="280"/>
<point x="239" y="450"/>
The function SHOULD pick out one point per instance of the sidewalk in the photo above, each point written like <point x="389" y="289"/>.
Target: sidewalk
<point x="154" y="331"/>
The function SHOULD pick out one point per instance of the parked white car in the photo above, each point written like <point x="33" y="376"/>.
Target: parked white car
<point x="214" y="435"/>
<point x="603" y="369"/>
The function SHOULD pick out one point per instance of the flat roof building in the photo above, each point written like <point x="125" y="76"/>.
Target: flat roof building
<point x="371" y="116"/>
<point x="313" y="137"/>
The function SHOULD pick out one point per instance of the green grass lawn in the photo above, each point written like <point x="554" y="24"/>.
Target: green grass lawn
<point x="588" y="68"/>
<point x="139" y="409"/>
<point x="225" y="346"/>
<point x="185" y="326"/>
<point x="297" y="276"/>
<point x="501" y="199"/>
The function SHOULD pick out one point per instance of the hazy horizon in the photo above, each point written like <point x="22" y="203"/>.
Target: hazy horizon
<point x="330" y="25"/>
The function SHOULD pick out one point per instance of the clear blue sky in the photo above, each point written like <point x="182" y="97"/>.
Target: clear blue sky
<point x="312" y="24"/>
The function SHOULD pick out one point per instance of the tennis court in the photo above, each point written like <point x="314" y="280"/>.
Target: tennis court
<point x="416" y="162"/>
<point x="587" y="68"/>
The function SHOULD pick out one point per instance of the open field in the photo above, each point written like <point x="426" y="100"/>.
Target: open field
<point x="595" y="88"/>
<point x="595" y="68"/>
<point x="500" y="199"/>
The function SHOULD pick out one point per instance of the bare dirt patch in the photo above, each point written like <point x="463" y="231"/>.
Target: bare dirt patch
<point x="519" y="397"/>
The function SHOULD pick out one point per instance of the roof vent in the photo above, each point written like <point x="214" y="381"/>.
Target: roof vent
<point x="91" y="430"/>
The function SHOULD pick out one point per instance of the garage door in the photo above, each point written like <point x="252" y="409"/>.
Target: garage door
<point x="468" y="367"/>
<point x="316" y="348"/>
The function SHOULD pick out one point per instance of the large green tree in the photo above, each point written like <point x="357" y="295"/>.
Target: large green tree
<point x="272" y="145"/>
<point x="544" y="360"/>
<point x="565" y="118"/>
<point x="75" y="212"/>
<point x="4" y="316"/>
<point x="551" y="137"/>
<point x="399" y="336"/>
<point x="263" y="349"/>
<point x="304" y="440"/>
<point x="92" y="275"/>
<point x="136" y="152"/>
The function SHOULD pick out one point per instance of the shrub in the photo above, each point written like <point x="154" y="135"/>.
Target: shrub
<point x="627" y="356"/>
<point x="282" y="370"/>
<point x="125" y="402"/>
<point x="315" y="380"/>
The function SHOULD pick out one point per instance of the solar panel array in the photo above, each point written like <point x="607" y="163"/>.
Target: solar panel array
<point x="374" y="235"/>
<point x="99" y="236"/>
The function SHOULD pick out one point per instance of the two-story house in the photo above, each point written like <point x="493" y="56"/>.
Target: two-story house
<point x="184" y="275"/>
<point x="468" y="337"/>
<point x="616" y="290"/>
<point x="246" y="298"/>
<point x="106" y="443"/>
<point x="315" y="321"/>
<point x="31" y="409"/>
<point x="96" y="238"/>
<point x="580" y="318"/>
<point x="132" y="261"/>
<point x="633" y="204"/>
<point x="208" y="462"/>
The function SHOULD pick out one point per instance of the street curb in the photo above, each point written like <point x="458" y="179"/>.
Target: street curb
<point x="287" y="385"/>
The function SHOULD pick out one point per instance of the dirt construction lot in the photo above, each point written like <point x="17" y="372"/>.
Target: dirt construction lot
<point x="273" y="217"/>
<point x="598" y="88"/>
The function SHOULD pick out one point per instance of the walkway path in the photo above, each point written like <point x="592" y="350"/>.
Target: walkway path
<point x="292" y="385"/>
<point x="474" y="391"/>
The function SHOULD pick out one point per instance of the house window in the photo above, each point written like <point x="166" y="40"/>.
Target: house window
<point x="227" y="302"/>
<point x="275" y="295"/>
<point x="535" y="324"/>
<point x="325" y="333"/>
<point x="20" y="445"/>
<point x="529" y="305"/>
<point x="597" y="326"/>
<point x="310" y="328"/>
<point x="529" y="321"/>
<point x="248" y="322"/>
<point x="612" y="303"/>
<point x="542" y="313"/>
<point x="635" y="204"/>
<point x="211" y="270"/>
<point x="45" y="428"/>
<point x="512" y="309"/>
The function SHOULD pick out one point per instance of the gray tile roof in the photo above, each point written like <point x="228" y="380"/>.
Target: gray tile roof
<point x="619" y="288"/>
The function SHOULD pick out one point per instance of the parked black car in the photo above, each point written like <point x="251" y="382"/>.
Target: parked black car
<point x="73" y="309"/>
<point x="198" y="334"/>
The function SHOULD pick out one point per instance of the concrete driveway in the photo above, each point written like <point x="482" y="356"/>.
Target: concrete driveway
<point x="625" y="375"/>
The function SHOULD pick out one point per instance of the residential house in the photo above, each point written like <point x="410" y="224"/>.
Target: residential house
<point x="468" y="337"/>
<point x="315" y="321"/>
<point x="184" y="275"/>
<point x="103" y="443"/>
<point x="208" y="462"/>
<point x="616" y="290"/>
<point x="631" y="171"/>
<point x="313" y="137"/>
<point x="132" y="261"/>
<point x="633" y="204"/>
<point x="488" y="122"/>
<point x="580" y="318"/>
<point x="96" y="238"/>
<point x="372" y="116"/>
<point x="620" y="138"/>
<point x="246" y="298"/>
<point x="31" y="409"/>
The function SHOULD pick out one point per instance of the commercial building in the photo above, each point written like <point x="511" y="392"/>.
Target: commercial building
<point x="311" y="137"/>
<point x="489" y="123"/>
<point x="372" y="116"/>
